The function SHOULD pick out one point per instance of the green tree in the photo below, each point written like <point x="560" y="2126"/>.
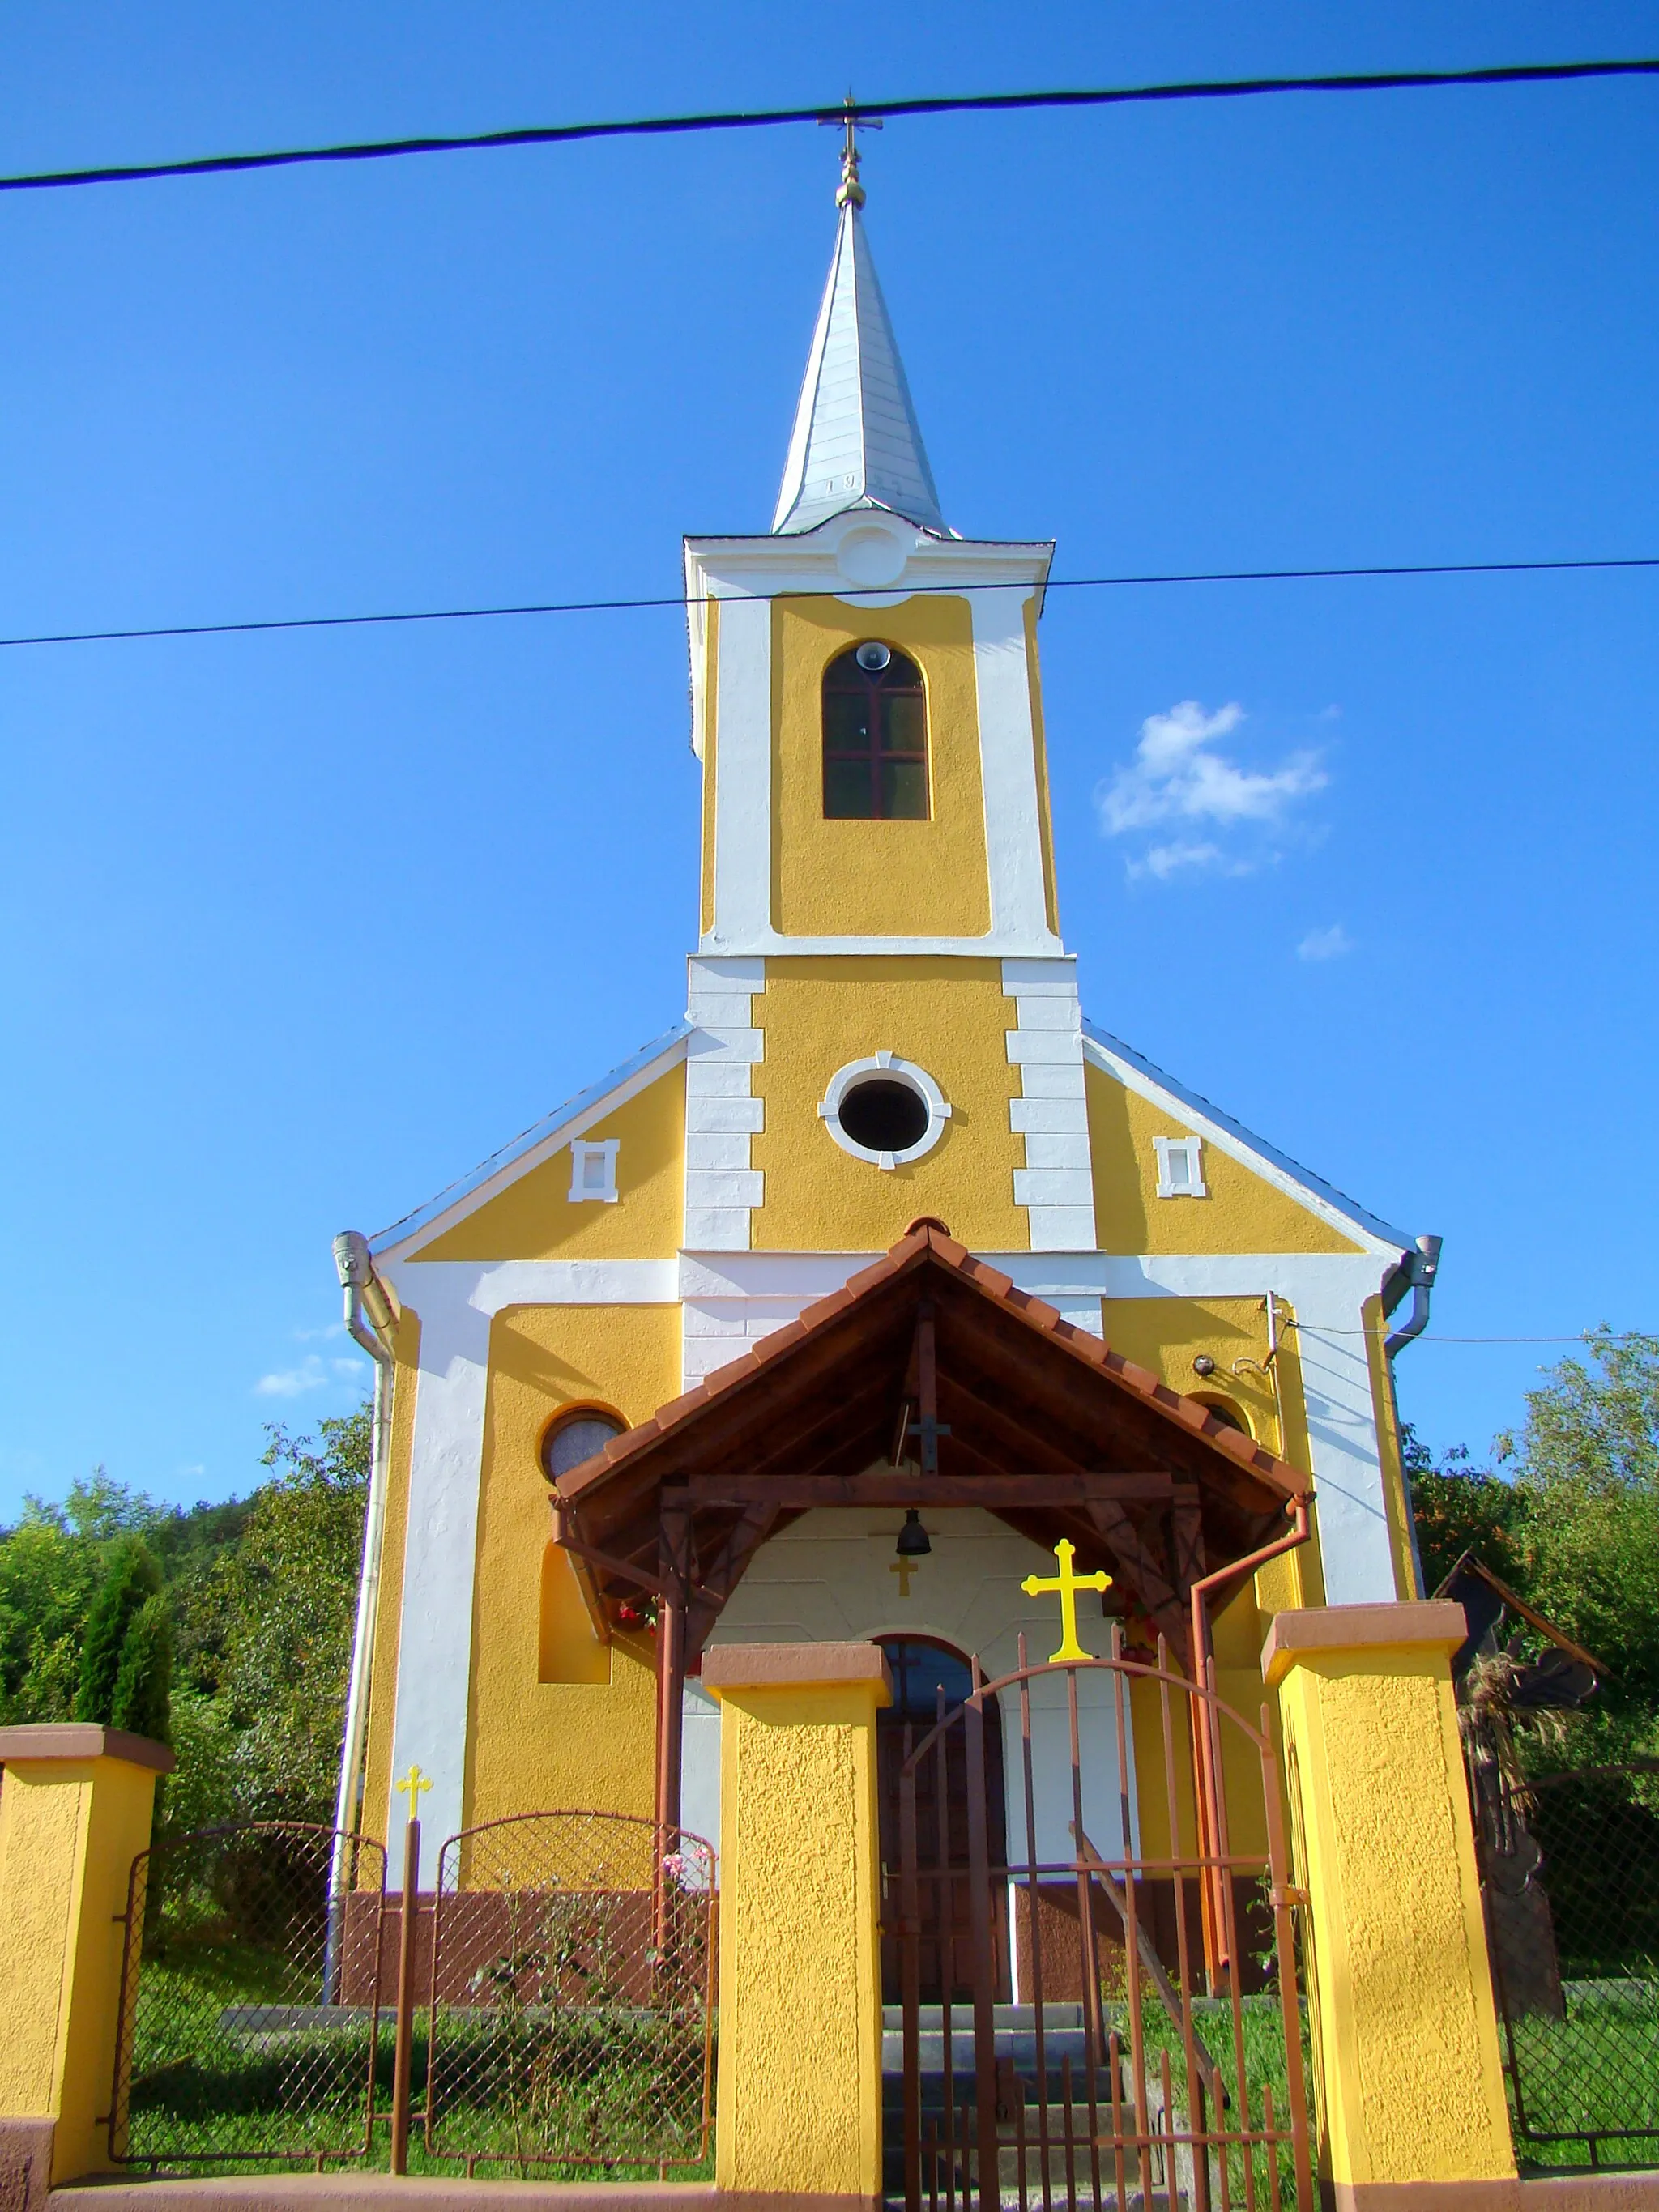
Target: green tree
<point x="286" y="1595"/>
<point x="1572" y="1524"/>
<point x="143" y="1684"/>
<point x="132" y="1577"/>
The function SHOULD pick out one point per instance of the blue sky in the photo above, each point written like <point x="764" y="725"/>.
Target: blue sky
<point x="294" y="930"/>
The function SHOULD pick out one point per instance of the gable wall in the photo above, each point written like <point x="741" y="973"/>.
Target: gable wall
<point x="1243" y="1213"/>
<point x="534" y="1217"/>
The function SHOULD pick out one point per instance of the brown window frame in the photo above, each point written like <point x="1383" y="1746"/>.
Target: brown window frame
<point x="901" y="678"/>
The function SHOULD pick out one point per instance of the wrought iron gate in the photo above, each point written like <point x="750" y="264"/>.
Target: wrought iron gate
<point x="572" y="2021"/>
<point x="251" y="2028"/>
<point x="1122" y="2027"/>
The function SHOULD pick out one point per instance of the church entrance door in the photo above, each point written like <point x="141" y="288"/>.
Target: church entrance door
<point x="931" y="1680"/>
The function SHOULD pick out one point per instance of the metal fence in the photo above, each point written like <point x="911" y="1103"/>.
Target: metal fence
<point x="1570" y="1877"/>
<point x="572" y="1998"/>
<point x="233" y="2047"/>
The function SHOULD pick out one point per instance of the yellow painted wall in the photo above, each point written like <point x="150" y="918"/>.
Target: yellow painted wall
<point x="1413" y="2086"/>
<point x="1243" y="1214"/>
<point x="534" y="1219"/>
<point x="388" y="1612"/>
<point x="1167" y="1334"/>
<point x="878" y="879"/>
<point x="585" y="1741"/>
<point x="949" y="1017"/>
<point x="69" y="1830"/>
<point x="800" y="2088"/>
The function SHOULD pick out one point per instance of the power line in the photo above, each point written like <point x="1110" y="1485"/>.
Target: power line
<point x="873" y="110"/>
<point x="847" y="592"/>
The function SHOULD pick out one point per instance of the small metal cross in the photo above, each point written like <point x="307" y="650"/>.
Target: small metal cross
<point x="903" y="1569"/>
<point x="411" y="1786"/>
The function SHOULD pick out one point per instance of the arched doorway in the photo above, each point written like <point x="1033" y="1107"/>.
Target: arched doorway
<point x="921" y="1667"/>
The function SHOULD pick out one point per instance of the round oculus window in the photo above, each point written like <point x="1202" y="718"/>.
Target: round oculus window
<point x="884" y="1110"/>
<point x="883" y="1115"/>
<point x="568" y="1443"/>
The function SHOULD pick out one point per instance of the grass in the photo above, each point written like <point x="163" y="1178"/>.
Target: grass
<point x="1594" y="2074"/>
<point x="617" y="2090"/>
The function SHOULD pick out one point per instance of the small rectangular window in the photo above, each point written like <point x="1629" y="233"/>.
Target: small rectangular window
<point x="594" y="1170"/>
<point x="1180" y="1167"/>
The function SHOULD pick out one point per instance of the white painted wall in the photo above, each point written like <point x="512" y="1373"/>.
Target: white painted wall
<point x="828" y="1579"/>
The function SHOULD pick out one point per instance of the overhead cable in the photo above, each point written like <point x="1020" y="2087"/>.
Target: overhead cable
<point x="864" y="110"/>
<point x="884" y="593"/>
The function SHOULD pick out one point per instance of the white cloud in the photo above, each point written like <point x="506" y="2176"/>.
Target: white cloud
<point x="1166" y="860"/>
<point x="1325" y="944"/>
<point x="319" y="1335"/>
<point x="293" y="1382"/>
<point x="1179" y="776"/>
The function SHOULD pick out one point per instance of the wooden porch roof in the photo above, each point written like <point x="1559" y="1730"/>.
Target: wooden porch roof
<point x="1038" y="1421"/>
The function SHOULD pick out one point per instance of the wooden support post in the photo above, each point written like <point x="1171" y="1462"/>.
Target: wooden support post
<point x="675" y="1579"/>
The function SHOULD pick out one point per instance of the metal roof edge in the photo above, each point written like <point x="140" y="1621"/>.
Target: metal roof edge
<point x="670" y="1045"/>
<point x="1372" y="1225"/>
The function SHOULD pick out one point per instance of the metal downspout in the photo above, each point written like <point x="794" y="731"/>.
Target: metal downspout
<point x="368" y="1312"/>
<point x="1421" y="1267"/>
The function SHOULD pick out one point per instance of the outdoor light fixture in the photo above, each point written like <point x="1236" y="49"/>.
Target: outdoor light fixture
<point x="913" y="1542"/>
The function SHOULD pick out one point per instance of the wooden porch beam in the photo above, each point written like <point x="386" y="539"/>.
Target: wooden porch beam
<point x="906" y="1486"/>
<point x="1116" y="1530"/>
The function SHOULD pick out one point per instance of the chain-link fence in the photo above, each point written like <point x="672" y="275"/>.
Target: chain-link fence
<point x="571" y="2021"/>
<point x="1571" y="1870"/>
<point x="253" y="2025"/>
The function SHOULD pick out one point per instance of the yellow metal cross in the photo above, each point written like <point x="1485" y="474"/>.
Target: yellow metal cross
<point x="903" y="1569"/>
<point x="412" y="1785"/>
<point x="1067" y="1585"/>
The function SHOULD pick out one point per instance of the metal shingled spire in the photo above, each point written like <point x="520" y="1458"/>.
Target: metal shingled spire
<point x="856" y="440"/>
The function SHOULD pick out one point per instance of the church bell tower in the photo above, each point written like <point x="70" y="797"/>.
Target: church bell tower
<point x="878" y="860"/>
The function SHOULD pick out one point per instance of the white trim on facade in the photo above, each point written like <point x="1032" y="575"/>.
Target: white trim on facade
<point x="1180" y="1167"/>
<point x="1008" y="774"/>
<point x="722" y="1114"/>
<point x="1056" y="1184"/>
<point x="594" y="1170"/>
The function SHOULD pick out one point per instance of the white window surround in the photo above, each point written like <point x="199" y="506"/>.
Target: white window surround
<point x="1180" y="1167"/>
<point x="593" y="1168"/>
<point x="895" y="1070"/>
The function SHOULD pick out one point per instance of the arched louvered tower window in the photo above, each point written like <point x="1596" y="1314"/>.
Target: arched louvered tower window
<point x="875" y="736"/>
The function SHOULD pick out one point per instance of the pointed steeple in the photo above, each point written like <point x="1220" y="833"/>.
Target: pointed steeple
<point x="856" y="439"/>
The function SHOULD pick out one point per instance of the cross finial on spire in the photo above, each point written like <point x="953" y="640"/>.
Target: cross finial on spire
<point x="851" y="191"/>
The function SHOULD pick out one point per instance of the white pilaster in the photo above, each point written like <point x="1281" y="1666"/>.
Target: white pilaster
<point x="434" y="1636"/>
<point x="723" y="1115"/>
<point x="1007" y="752"/>
<point x="743" y="777"/>
<point x="1056" y="1184"/>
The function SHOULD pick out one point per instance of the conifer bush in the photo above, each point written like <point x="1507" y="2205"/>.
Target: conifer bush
<point x="132" y="1579"/>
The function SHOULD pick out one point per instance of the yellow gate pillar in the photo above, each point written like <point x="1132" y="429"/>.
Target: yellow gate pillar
<point x="1405" y="2029"/>
<point x="799" y="2096"/>
<point x="75" y="1811"/>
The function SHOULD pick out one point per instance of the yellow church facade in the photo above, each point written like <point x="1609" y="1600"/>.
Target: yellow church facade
<point x="883" y="1027"/>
